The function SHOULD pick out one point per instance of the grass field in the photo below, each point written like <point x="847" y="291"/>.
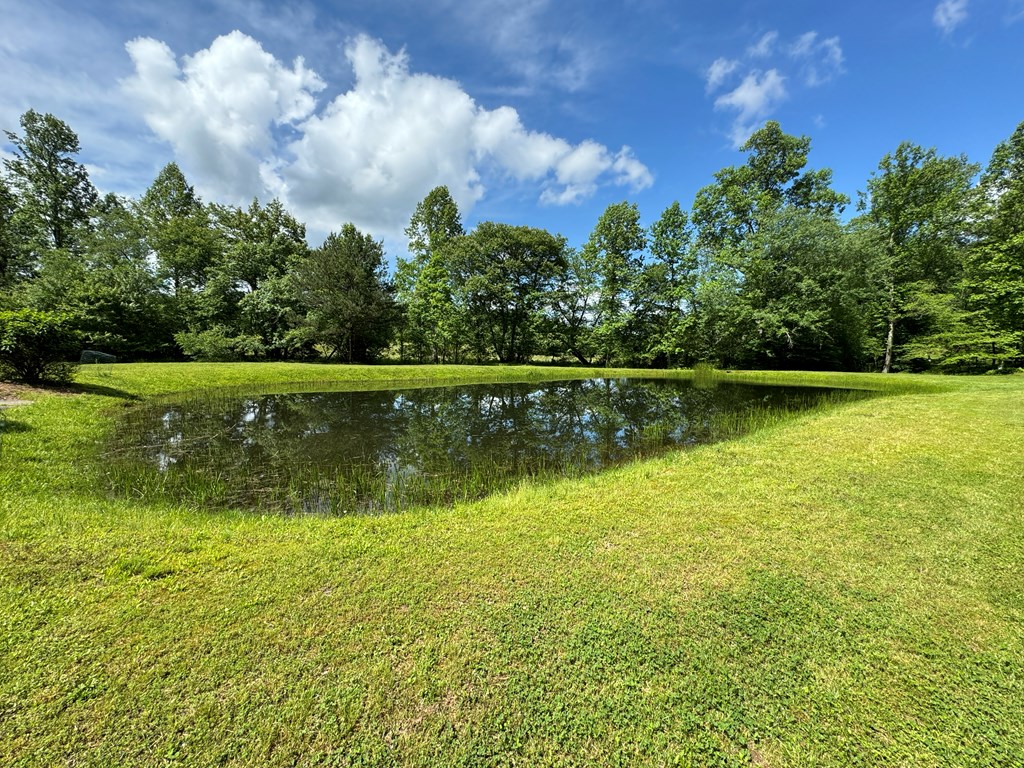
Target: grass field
<point x="844" y="588"/>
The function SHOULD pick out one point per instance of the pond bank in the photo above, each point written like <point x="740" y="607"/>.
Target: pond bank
<point x="838" y="589"/>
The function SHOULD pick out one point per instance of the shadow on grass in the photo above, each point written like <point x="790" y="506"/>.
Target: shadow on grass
<point x="9" y="427"/>
<point x="19" y="390"/>
<point x="98" y="389"/>
<point x="51" y="388"/>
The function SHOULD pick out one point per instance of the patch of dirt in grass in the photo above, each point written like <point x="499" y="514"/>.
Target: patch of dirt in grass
<point x="20" y="394"/>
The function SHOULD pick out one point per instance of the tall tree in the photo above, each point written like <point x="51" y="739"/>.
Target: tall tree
<point x="993" y="287"/>
<point x="433" y="323"/>
<point x="666" y="292"/>
<point x="435" y="221"/>
<point x="120" y="305"/>
<point x="111" y="289"/>
<point x="801" y="300"/>
<point x="505" y="275"/>
<point x="261" y="241"/>
<point x="733" y="207"/>
<point x="12" y="255"/>
<point x="918" y="201"/>
<point x="247" y="307"/>
<point x="348" y="301"/>
<point x="616" y="248"/>
<point x="53" y="189"/>
<point x="743" y="308"/>
<point x="573" y="300"/>
<point x="179" y="231"/>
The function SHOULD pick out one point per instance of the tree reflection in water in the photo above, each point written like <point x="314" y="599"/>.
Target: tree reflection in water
<point x="377" y="451"/>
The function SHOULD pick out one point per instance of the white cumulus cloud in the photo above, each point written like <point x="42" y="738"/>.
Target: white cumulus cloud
<point x="218" y="109"/>
<point x="753" y="100"/>
<point x="244" y="124"/>
<point x="719" y="72"/>
<point x="950" y="14"/>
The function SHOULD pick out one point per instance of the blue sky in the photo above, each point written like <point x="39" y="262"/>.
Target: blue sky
<point x="537" y="112"/>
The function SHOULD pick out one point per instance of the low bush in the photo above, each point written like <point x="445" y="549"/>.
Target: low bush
<point x="217" y="345"/>
<point x="37" y="346"/>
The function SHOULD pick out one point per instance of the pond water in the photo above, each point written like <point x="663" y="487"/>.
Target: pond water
<point x="371" y="451"/>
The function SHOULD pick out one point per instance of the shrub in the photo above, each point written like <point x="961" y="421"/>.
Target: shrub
<point x="37" y="346"/>
<point x="214" y="344"/>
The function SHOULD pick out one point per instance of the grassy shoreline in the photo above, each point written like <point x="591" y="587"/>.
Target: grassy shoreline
<point x="840" y="589"/>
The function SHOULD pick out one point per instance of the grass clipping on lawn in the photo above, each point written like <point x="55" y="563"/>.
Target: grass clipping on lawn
<point x="843" y="588"/>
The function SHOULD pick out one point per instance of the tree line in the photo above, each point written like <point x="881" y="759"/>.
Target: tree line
<point x="762" y="271"/>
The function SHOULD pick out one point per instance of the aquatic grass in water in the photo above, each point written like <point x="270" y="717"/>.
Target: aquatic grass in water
<point x="346" y="452"/>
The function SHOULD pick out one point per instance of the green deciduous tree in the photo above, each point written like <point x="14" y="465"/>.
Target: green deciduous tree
<point x="666" y="289"/>
<point x="37" y="346"/>
<point x="993" y="286"/>
<point x="801" y="298"/>
<point x="120" y="304"/>
<point x="433" y="325"/>
<point x="766" y="257"/>
<point x="505" y="275"/>
<point x="347" y="299"/>
<point x="434" y="223"/>
<point x="14" y="264"/>
<point x="615" y="248"/>
<point x="52" y="188"/>
<point x="246" y="297"/>
<point x="179" y="231"/>
<point x="918" y="202"/>
<point x="735" y="205"/>
<point x="572" y="301"/>
<point x="111" y="289"/>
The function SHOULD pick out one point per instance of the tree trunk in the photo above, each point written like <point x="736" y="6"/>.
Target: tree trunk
<point x="890" y="337"/>
<point x="579" y="356"/>
<point x="887" y="366"/>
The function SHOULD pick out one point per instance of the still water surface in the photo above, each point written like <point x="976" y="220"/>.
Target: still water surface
<point x="371" y="451"/>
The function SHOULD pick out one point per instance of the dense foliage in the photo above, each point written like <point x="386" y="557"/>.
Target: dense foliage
<point x="34" y="346"/>
<point x="763" y="271"/>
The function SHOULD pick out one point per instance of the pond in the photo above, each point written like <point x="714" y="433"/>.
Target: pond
<point x="383" y="450"/>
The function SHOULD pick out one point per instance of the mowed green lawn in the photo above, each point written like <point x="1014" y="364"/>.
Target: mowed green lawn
<point x="845" y="588"/>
